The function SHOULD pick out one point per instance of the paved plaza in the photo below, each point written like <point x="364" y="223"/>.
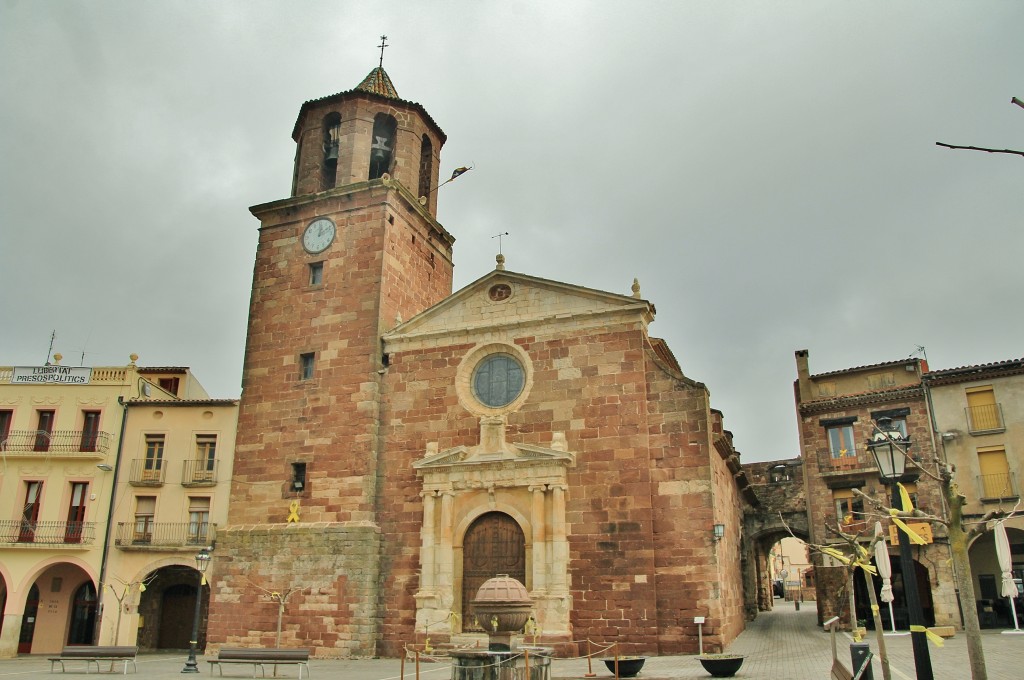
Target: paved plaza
<point x="783" y="644"/>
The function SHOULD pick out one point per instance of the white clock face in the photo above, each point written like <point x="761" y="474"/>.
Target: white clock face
<point x="318" y="235"/>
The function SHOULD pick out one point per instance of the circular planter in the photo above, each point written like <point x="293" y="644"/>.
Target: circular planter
<point x="721" y="665"/>
<point x="629" y="666"/>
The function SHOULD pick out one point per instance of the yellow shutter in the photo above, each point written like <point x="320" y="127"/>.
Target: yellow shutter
<point x="995" y="473"/>
<point x="981" y="405"/>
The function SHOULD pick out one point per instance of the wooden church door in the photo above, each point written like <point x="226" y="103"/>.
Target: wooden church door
<point x="494" y="544"/>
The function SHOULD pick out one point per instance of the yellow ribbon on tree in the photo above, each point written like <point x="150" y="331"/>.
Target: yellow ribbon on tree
<point x="939" y="642"/>
<point x="866" y="567"/>
<point x="832" y="552"/>
<point x="908" y="506"/>
<point x="874" y="608"/>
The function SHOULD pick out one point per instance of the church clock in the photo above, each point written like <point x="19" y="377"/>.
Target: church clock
<point x="318" y="235"/>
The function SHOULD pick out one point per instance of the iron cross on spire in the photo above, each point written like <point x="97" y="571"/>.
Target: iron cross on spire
<point x="383" y="44"/>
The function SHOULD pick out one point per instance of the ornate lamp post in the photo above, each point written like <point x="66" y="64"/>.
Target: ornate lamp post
<point x="202" y="562"/>
<point x="889" y="447"/>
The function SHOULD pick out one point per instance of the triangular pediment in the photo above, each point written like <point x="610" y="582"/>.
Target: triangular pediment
<point x="463" y="456"/>
<point x="504" y="299"/>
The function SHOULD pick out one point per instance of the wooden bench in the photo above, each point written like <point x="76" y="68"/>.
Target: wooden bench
<point x="94" y="655"/>
<point x="262" y="656"/>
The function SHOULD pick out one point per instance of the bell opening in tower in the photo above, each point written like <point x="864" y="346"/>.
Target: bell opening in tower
<point x="332" y="139"/>
<point x="383" y="145"/>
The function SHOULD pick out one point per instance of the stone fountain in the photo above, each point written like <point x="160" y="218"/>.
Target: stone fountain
<point x="502" y="606"/>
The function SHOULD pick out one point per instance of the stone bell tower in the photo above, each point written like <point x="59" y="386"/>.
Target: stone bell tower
<point x="353" y="250"/>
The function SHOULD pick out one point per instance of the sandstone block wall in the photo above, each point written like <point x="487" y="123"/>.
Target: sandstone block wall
<point x="327" y="573"/>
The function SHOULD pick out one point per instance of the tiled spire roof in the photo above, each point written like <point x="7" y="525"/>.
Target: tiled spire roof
<point x="378" y="82"/>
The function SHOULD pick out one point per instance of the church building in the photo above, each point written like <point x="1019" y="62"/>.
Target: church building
<point x="398" y="444"/>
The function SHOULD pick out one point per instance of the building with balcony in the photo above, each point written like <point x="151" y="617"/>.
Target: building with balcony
<point x="837" y="412"/>
<point x="979" y="417"/>
<point x="65" y="432"/>
<point x="171" y="495"/>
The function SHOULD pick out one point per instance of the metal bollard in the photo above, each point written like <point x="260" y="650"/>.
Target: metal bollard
<point x="860" y="653"/>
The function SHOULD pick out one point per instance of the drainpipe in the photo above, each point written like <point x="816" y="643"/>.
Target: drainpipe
<point x="110" y="515"/>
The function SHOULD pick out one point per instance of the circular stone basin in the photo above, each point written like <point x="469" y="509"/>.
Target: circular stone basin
<point x="629" y="666"/>
<point x="502" y="605"/>
<point x="721" y="665"/>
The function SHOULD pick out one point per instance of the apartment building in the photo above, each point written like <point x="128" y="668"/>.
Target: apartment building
<point x="837" y="412"/>
<point x="979" y="417"/>
<point x="70" y="439"/>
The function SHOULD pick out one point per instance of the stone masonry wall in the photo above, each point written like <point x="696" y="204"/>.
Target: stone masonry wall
<point x="327" y="573"/>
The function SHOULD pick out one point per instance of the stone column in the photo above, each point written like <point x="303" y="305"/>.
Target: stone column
<point x="445" y="560"/>
<point x="540" y="556"/>
<point x="559" y="544"/>
<point x="428" y="558"/>
<point x="11" y="633"/>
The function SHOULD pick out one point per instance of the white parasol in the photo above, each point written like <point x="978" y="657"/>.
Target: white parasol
<point x="1008" y="588"/>
<point x="885" y="571"/>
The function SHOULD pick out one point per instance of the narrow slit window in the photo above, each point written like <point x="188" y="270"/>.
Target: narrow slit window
<point x="306" y="364"/>
<point x="316" y="273"/>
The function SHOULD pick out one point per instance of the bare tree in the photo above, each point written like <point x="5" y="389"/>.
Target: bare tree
<point x="280" y="597"/>
<point x="1013" y="100"/>
<point x="960" y="533"/>
<point x="121" y="592"/>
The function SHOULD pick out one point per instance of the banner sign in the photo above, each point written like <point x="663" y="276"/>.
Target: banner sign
<point x="923" y="529"/>
<point x="71" y="375"/>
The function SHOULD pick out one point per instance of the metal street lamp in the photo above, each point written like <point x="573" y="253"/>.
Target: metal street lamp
<point x="202" y="562"/>
<point x="889" y="447"/>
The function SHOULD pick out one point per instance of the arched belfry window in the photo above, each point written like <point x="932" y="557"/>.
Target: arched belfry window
<point x="382" y="147"/>
<point x="331" y="142"/>
<point x="426" y="166"/>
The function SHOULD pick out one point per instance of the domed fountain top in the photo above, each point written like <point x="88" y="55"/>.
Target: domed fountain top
<point x="504" y="589"/>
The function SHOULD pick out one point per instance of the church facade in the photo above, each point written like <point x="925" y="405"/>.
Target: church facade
<point x="398" y="444"/>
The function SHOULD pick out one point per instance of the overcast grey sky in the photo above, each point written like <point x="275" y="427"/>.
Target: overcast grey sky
<point x="767" y="170"/>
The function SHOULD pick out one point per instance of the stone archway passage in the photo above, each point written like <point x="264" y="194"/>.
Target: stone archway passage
<point x="176" y="611"/>
<point x="494" y="544"/>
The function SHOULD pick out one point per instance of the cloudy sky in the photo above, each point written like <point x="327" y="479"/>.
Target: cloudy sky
<point x="767" y="170"/>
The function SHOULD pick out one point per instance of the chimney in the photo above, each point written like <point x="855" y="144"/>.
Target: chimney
<point x="803" y="375"/>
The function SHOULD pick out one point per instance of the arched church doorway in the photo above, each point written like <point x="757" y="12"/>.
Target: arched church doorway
<point x="83" y="615"/>
<point x="28" y="621"/>
<point x="494" y="544"/>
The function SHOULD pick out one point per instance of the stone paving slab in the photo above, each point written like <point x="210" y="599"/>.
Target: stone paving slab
<point x="781" y="645"/>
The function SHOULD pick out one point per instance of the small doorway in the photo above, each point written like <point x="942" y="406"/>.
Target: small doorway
<point x="83" y="615"/>
<point x="28" y="621"/>
<point x="494" y="544"/>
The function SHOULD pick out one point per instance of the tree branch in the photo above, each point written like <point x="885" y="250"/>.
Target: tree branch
<point x="980" y="148"/>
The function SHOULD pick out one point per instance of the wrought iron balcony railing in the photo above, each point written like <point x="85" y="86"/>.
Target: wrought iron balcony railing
<point x="25" y="443"/>
<point x="147" y="472"/>
<point x="199" y="472"/>
<point x="999" y="486"/>
<point x="47" y="533"/>
<point x="985" y="418"/>
<point x="849" y="461"/>
<point x="143" y="533"/>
